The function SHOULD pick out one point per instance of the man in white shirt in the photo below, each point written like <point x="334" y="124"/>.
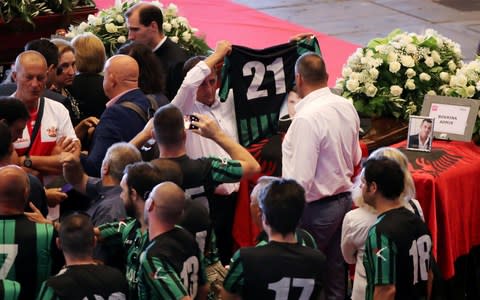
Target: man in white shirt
<point x="145" y="26"/>
<point x="320" y="150"/>
<point x="199" y="94"/>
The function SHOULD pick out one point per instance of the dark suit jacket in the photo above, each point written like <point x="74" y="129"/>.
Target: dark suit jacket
<point x="413" y="141"/>
<point x="172" y="57"/>
<point x="88" y="90"/>
<point x="117" y="124"/>
<point x="6" y="89"/>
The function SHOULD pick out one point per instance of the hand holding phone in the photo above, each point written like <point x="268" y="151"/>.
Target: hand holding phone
<point x="188" y="122"/>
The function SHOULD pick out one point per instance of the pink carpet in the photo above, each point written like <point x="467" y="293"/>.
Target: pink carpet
<point x="223" y="19"/>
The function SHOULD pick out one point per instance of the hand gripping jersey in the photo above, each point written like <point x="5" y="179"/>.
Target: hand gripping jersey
<point x="260" y="80"/>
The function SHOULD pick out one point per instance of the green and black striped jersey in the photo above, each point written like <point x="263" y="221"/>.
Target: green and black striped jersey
<point x="260" y="80"/>
<point x="9" y="290"/>
<point x="171" y="267"/>
<point x="28" y="253"/>
<point x="276" y="271"/>
<point x="398" y="251"/>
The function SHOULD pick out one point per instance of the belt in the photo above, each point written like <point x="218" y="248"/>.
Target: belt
<point x="332" y="198"/>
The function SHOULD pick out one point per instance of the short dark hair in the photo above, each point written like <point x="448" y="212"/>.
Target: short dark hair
<point x="5" y="140"/>
<point x="144" y="176"/>
<point x="76" y="235"/>
<point x="169" y="170"/>
<point x="12" y="110"/>
<point x="46" y="48"/>
<point x="151" y="79"/>
<point x="387" y="174"/>
<point x="427" y="120"/>
<point x="147" y="14"/>
<point x="282" y="202"/>
<point x="168" y="125"/>
<point x="311" y="67"/>
<point x="192" y="62"/>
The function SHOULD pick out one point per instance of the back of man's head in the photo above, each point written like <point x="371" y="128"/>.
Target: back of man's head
<point x="14" y="189"/>
<point x="169" y="126"/>
<point x="118" y="156"/>
<point x="12" y="109"/>
<point x="168" y="200"/>
<point x="6" y="147"/>
<point x="282" y="203"/>
<point x="76" y="236"/>
<point x="311" y="67"/>
<point x="144" y="176"/>
<point x="387" y="175"/>
<point x="46" y="48"/>
<point x="147" y="13"/>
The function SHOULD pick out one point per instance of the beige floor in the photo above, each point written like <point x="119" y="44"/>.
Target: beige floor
<point x="358" y="21"/>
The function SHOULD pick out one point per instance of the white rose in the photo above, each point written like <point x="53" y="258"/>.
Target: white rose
<point x="407" y="61"/>
<point x="371" y="90"/>
<point x="111" y="28"/>
<point x="186" y="36"/>
<point x="410" y="73"/>
<point x="391" y="57"/>
<point x="172" y="9"/>
<point x="374" y="73"/>
<point x="91" y="19"/>
<point x="157" y="4"/>
<point x="410" y="84"/>
<point x="120" y="19"/>
<point x="193" y="29"/>
<point x="411" y="49"/>
<point x="396" y="90"/>
<point x="174" y="23"/>
<point x="452" y="66"/>
<point x="121" y="39"/>
<point x="98" y="22"/>
<point x="167" y="27"/>
<point x="355" y="76"/>
<point x="346" y="71"/>
<point x="429" y="62"/>
<point x="444" y="76"/>
<point x="394" y="67"/>
<point x="436" y="57"/>
<point x="174" y="39"/>
<point x="183" y="21"/>
<point x="352" y="85"/>
<point x="82" y="27"/>
<point x="470" y="91"/>
<point x="431" y="93"/>
<point x="478" y="86"/>
<point x="425" y="77"/>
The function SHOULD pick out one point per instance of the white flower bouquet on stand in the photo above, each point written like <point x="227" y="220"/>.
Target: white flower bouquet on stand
<point x="109" y="25"/>
<point x="390" y="77"/>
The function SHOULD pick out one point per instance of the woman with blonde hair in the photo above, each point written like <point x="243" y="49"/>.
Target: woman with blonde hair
<point x="357" y="222"/>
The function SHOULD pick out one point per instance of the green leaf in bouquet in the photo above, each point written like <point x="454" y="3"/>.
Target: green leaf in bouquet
<point x="431" y="43"/>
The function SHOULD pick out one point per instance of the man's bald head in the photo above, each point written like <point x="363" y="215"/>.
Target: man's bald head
<point x="14" y="189"/>
<point x="168" y="202"/>
<point x="121" y="74"/>
<point x="31" y="76"/>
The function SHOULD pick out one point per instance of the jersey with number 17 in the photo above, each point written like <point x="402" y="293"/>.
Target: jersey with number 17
<point x="398" y="251"/>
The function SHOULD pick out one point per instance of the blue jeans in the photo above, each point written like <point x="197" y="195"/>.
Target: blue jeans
<point x="323" y="219"/>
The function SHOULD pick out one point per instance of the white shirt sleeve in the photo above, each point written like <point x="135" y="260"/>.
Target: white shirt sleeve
<point x="187" y="93"/>
<point x="347" y="244"/>
<point x="65" y="127"/>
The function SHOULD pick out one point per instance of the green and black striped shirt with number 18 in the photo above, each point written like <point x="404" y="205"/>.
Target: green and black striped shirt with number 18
<point x="28" y="253"/>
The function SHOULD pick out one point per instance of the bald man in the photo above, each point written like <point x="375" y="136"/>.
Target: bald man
<point x="119" y="122"/>
<point x="36" y="146"/>
<point x="171" y="267"/>
<point x="28" y="249"/>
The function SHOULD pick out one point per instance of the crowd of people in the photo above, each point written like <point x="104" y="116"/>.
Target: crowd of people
<point x="119" y="179"/>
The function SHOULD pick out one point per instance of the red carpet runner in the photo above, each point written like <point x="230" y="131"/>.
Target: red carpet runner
<point x="223" y="19"/>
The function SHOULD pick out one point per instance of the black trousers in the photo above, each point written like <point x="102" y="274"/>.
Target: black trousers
<point x="222" y="213"/>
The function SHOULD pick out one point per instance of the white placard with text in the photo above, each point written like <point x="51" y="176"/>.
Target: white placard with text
<point x="450" y="118"/>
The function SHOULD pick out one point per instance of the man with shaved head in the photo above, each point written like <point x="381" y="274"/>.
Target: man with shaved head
<point x="145" y="26"/>
<point x="119" y="122"/>
<point x="49" y="121"/>
<point x="171" y="267"/>
<point x="28" y="249"/>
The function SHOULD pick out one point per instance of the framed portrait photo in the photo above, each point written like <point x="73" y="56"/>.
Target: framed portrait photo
<point x="420" y="133"/>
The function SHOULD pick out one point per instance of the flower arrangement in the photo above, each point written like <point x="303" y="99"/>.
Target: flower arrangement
<point x="109" y="25"/>
<point x="391" y="76"/>
<point x="466" y="84"/>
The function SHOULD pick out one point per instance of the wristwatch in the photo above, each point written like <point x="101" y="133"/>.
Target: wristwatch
<point x="27" y="162"/>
